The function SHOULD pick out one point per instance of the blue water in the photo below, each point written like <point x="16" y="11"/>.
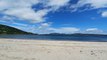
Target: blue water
<point x="60" y="38"/>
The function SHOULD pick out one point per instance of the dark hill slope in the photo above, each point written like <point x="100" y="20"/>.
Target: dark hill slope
<point x="10" y="30"/>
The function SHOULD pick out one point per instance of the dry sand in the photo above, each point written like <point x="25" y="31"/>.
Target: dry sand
<point x="14" y="49"/>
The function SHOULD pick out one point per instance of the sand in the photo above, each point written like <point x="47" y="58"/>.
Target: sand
<point x="15" y="49"/>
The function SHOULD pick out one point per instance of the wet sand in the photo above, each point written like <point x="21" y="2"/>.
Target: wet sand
<point x="15" y="49"/>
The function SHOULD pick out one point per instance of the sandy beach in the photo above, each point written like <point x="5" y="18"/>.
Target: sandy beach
<point x="15" y="49"/>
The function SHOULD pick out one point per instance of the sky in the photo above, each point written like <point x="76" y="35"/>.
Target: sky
<point x="55" y="16"/>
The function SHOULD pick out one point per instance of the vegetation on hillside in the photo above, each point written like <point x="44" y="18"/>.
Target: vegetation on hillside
<point x="10" y="30"/>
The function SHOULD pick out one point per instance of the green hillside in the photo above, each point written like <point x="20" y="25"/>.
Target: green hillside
<point x="10" y="30"/>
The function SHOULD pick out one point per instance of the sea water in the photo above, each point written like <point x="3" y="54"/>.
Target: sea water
<point x="57" y="37"/>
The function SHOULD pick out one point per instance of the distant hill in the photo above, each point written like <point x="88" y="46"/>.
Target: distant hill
<point x="74" y="34"/>
<point x="10" y="30"/>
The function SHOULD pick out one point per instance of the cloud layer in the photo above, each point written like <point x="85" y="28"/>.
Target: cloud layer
<point x="23" y="8"/>
<point x="94" y="30"/>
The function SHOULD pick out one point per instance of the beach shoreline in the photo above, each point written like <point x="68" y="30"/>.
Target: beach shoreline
<point x="22" y="49"/>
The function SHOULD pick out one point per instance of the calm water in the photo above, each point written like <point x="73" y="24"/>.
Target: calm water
<point x="63" y="38"/>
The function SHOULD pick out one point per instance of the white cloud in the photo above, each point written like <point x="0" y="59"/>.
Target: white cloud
<point x="19" y="8"/>
<point x="67" y="30"/>
<point x="98" y="3"/>
<point x="7" y="19"/>
<point x="104" y="14"/>
<point x="8" y="4"/>
<point x="46" y="28"/>
<point x="27" y="14"/>
<point x="94" y="30"/>
<point x="43" y="28"/>
<point x="89" y="5"/>
<point x="92" y="3"/>
<point x="23" y="8"/>
<point x="55" y="4"/>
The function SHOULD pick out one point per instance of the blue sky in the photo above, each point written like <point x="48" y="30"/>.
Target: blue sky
<point x="55" y="16"/>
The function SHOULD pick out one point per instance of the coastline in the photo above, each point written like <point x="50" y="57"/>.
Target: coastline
<point x="17" y="49"/>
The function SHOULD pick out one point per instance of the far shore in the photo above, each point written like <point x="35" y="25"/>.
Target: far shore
<point x="22" y="49"/>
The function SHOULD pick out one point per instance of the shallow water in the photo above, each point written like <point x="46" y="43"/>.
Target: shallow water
<point x="58" y="37"/>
